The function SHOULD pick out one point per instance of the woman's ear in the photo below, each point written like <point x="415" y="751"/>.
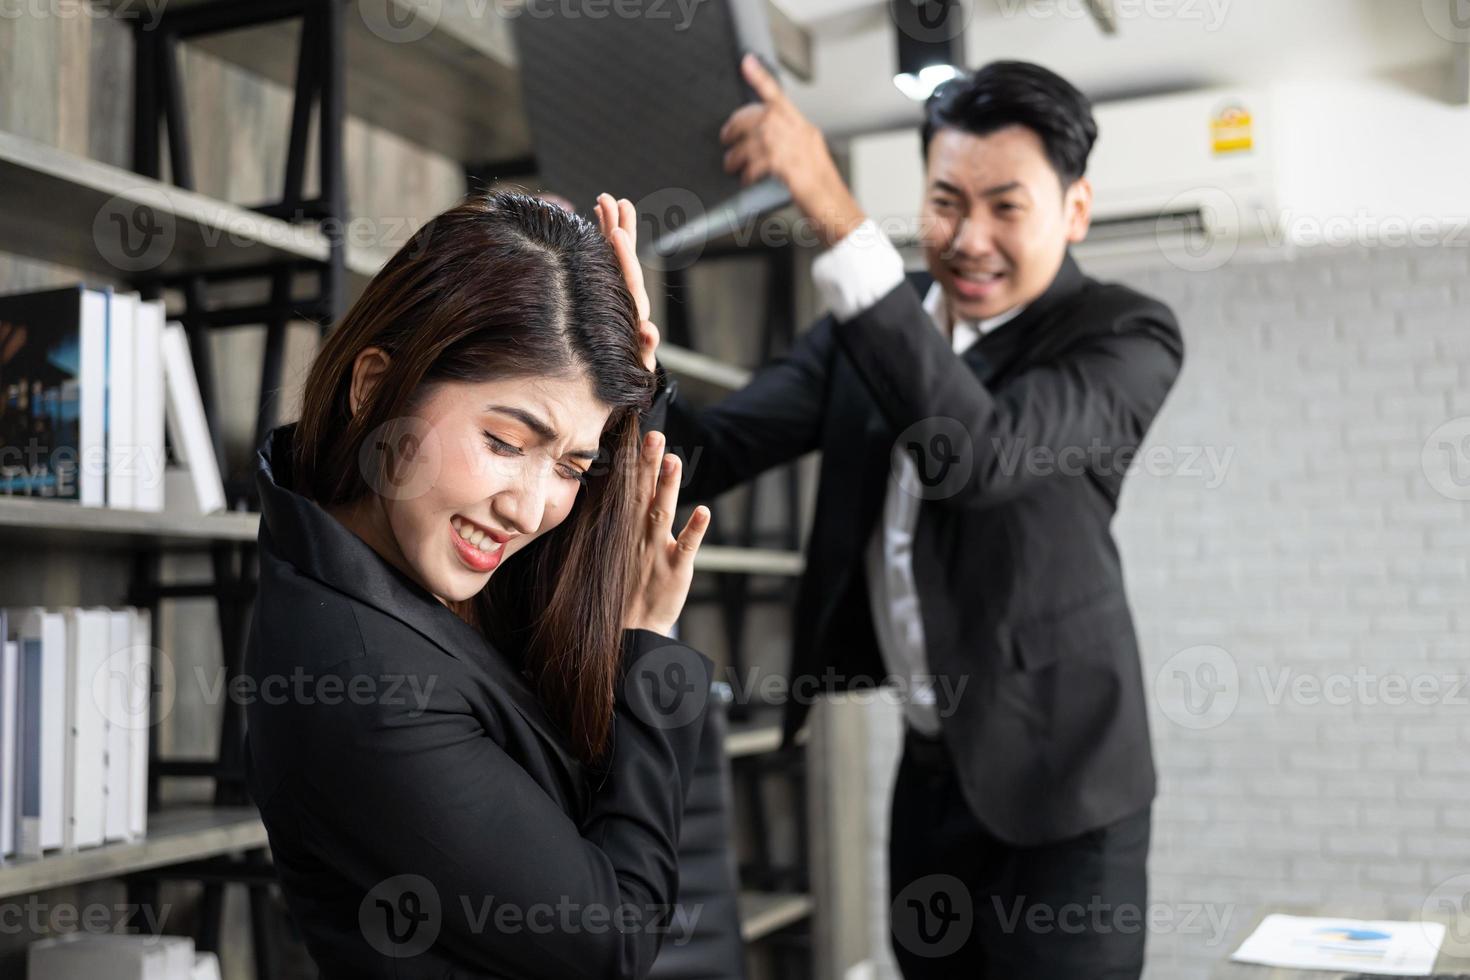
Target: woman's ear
<point x="369" y="366"/>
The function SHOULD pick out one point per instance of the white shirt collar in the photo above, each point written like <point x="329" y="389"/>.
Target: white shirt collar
<point x="966" y="332"/>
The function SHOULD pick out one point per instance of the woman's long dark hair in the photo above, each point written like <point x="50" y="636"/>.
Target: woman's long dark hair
<point x="505" y="285"/>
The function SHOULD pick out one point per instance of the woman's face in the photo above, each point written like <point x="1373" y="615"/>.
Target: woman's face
<point x="478" y="472"/>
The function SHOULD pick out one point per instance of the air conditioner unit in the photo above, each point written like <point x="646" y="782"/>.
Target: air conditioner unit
<point x="1308" y="163"/>
<point x="1196" y="165"/>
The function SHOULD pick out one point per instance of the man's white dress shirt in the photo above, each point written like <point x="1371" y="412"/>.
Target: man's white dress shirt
<point x="852" y="276"/>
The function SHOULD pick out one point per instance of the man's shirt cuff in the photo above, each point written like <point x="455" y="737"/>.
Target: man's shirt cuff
<point x="858" y="271"/>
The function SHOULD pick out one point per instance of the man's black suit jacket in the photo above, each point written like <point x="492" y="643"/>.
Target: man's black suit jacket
<point x="1025" y="438"/>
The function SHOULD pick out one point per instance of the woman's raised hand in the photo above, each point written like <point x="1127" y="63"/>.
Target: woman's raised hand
<point x="664" y="564"/>
<point x="619" y="223"/>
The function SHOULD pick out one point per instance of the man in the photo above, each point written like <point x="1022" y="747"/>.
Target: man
<point x="975" y="428"/>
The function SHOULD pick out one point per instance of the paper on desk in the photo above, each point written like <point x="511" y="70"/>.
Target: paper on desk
<point x="1403" y="949"/>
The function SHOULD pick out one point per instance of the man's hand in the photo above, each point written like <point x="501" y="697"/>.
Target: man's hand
<point x="771" y="138"/>
<point x="619" y="223"/>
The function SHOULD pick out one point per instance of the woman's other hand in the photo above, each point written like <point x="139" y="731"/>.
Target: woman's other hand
<point x="664" y="564"/>
<point x="619" y="223"/>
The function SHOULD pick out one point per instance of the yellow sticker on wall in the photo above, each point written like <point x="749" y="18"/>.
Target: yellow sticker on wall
<point x="1230" y="130"/>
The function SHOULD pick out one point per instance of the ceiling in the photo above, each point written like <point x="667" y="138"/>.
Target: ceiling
<point x="1160" y="45"/>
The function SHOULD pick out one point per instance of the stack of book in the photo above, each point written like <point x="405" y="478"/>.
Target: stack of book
<point x="90" y="381"/>
<point x="75" y="709"/>
<point x="100" y="956"/>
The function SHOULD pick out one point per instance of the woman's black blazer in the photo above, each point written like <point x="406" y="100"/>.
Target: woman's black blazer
<point x="425" y="816"/>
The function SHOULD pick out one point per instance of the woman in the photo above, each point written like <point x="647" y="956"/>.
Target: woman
<point x="472" y="737"/>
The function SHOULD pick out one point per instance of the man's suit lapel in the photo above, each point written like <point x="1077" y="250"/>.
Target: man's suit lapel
<point x="1003" y="348"/>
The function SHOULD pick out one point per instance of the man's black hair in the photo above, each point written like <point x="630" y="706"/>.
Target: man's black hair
<point x="1005" y="93"/>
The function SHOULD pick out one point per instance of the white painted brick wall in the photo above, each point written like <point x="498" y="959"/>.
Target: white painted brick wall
<point x="1330" y="571"/>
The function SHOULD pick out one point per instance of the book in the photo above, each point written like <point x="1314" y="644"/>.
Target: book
<point x="139" y="716"/>
<point x="148" y="403"/>
<point x="122" y="439"/>
<point x="29" y="680"/>
<point x="87" y="632"/>
<point x="110" y="956"/>
<point x="188" y="429"/>
<point x="113" y="688"/>
<point x="650" y="94"/>
<point x="53" y="394"/>
<point x="81" y="739"/>
<point x="9" y="727"/>
<point x="46" y="631"/>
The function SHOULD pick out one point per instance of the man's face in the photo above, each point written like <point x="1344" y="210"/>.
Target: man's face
<point x="996" y="220"/>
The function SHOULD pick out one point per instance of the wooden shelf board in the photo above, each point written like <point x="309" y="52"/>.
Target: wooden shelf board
<point x="755" y="561"/>
<point x="67" y="209"/>
<point x="762" y="913"/>
<point x="174" y="836"/>
<point x="66" y="522"/>
<point x="745" y="740"/>
<point x="59" y="521"/>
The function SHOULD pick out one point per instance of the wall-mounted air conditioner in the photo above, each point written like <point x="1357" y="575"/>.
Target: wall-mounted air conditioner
<point x="1176" y="166"/>
<point x="1306" y="163"/>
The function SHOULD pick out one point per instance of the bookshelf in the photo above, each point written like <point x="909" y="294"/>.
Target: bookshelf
<point x="52" y="201"/>
<point x="425" y="72"/>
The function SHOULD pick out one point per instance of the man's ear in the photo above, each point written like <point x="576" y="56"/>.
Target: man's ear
<point x="367" y="368"/>
<point x="1078" y="207"/>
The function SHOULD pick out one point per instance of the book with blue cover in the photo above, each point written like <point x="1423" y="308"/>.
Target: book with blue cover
<point x="53" y="348"/>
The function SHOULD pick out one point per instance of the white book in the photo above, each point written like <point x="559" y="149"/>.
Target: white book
<point x="44" y="632"/>
<point x="113" y="684"/>
<point x="49" y="629"/>
<point x="9" y="706"/>
<point x="122" y="440"/>
<point x="206" y="967"/>
<point x="188" y="429"/>
<point x="92" y="422"/>
<point x="30" y="680"/>
<point x="110" y="956"/>
<point x="140" y="689"/>
<point x="148" y="405"/>
<point x="86" y="651"/>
